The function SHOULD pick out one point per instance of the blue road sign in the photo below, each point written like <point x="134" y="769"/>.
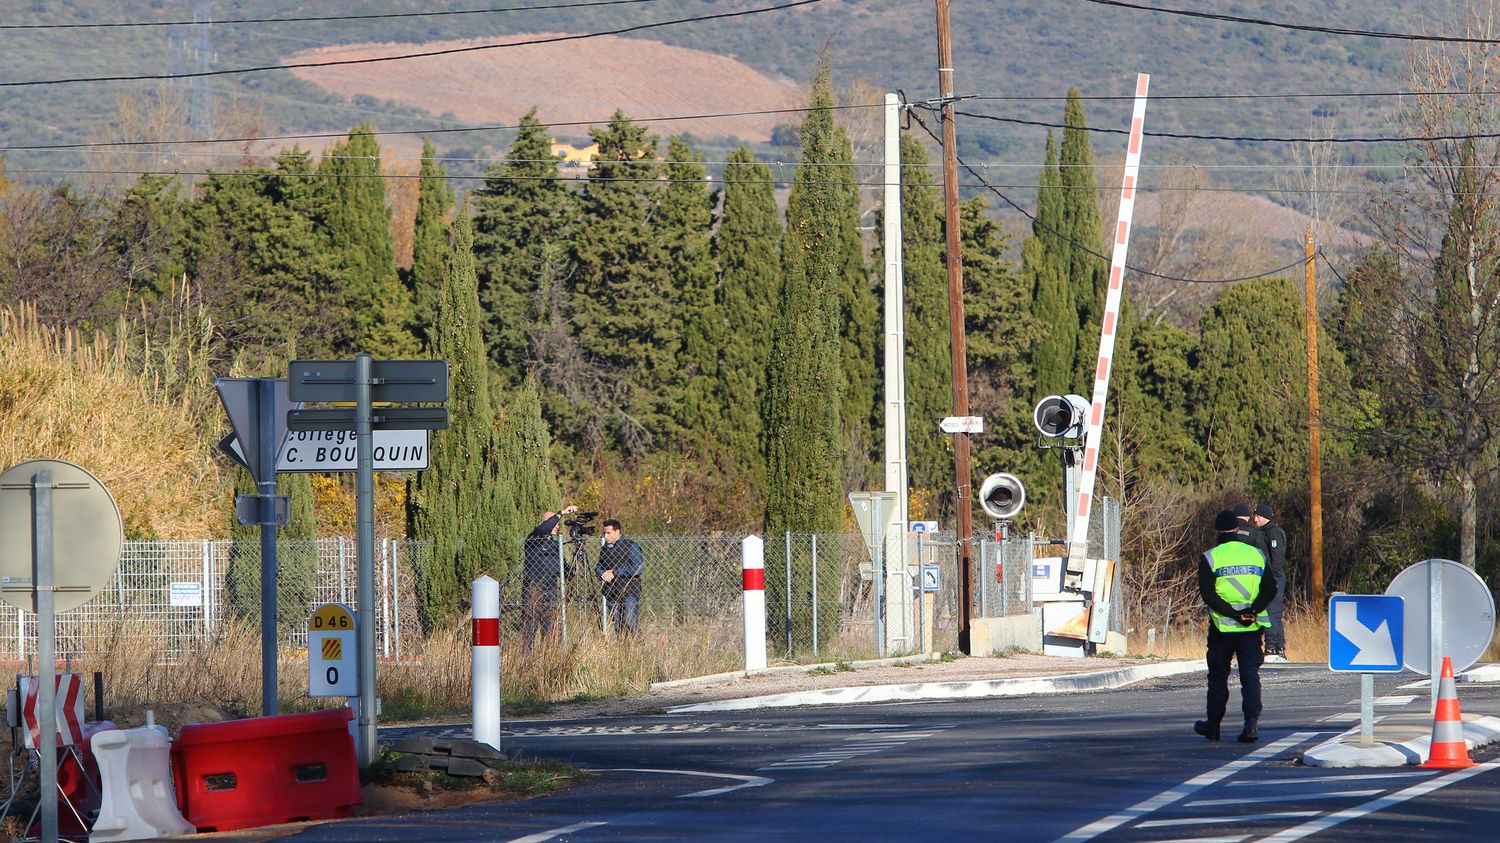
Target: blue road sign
<point x="1365" y="633"/>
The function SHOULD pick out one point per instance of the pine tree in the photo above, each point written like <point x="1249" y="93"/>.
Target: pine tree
<point x="358" y="220"/>
<point x="748" y="247"/>
<point x="460" y="505"/>
<point x="430" y="241"/>
<point x="804" y="381"/>
<point x="1043" y="265"/>
<point x="523" y="224"/>
<point x="1087" y="272"/>
<point x="929" y="365"/>
<point x="622" y="297"/>
<point x="682" y="221"/>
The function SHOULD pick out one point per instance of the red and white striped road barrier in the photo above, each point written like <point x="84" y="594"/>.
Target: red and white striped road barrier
<point x="67" y="705"/>
<point x="1078" y="534"/>
<point x="484" y="596"/>
<point x="753" y="568"/>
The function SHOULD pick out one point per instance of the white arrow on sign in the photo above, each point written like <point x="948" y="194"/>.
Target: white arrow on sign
<point x="962" y="424"/>
<point x="1375" y="645"/>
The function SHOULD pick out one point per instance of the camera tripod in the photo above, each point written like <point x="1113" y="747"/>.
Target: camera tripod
<point x="577" y="565"/>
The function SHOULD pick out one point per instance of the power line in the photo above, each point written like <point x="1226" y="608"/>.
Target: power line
<point x="319" y="18"/>
<point x="1301" y="27"/>
<point x="1283" y="96"/>
<point x="1092" y="251"/>
<point x="421" y="54"/>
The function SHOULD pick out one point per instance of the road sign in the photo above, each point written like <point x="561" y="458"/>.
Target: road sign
<point x="185" y="594"/>
<point x="932" y="578"/>
<point x="332" y="669"/>
<point x="1365" y="633"/>
<point x="263" y="510"/>
<point x="242" y="401"/>
<point x="335" y="451"/>
<point x="87" y="535"/>
<point x="924" y="526"/>
<point x="383" y="418"/>
<point x="962" y="424"/>
<point x="871" y="511"/>
<point x="399" y="381"/>
<point x="1465" y="618"/>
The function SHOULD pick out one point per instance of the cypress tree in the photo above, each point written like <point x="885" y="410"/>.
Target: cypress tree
<point x="682" y="220"/>
<point x="526" y="466"/>
<point x="1087" y="272"/>
<point x="748" y="248"/>
<point x="429" y="241"/>
<point x="523" y="222"/>
<point x="460" y="505"/>
<point x="929" y="365"/>
<point x="358" y="221"/>
<point x="859" y="326"/>
<point x="1053" y="305"/>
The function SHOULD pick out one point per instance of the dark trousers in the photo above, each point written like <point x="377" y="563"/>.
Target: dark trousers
<point x="538" y="611"/>
<point x="1276" y="635"/>
<point x="1223" y="648"/>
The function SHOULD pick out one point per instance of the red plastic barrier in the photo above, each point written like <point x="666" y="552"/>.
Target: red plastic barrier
<point x="266" y="770"/>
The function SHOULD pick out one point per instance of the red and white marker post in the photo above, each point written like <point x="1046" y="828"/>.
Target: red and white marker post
<point x="484" y="597"/>
<point x="753" y="567"/>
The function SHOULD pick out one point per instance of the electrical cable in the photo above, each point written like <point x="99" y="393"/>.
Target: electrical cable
<point x="404" y="56"/>
<point x="1301" y="27"/>
<point x="1091" y="251"/>
<point x="319" y="18"/>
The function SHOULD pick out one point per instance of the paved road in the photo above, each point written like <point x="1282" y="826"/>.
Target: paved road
<point x="1121" y="765"/>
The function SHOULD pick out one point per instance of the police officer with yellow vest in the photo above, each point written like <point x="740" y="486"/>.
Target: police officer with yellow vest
<point x="1233" y="582"/>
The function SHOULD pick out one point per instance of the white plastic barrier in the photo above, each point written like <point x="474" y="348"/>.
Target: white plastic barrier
<point x="135" y="775"/>
<point x="484" y="683"/>
<point x="753" y="571"/>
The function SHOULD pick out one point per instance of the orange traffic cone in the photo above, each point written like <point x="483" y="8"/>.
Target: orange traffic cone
<point x="1449" y="749"/>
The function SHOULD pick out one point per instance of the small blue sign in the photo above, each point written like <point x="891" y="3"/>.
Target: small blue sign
<point x="1041" y="572"/>
<point x="932" y="579"/>
<point x="1365" y="633"/>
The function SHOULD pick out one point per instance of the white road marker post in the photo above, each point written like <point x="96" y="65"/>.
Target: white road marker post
<point x="753" y="568"/>
<point x="484" y="597"/>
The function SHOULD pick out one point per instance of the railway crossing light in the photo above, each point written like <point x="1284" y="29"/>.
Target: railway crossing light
<point x="1002" y="496"/>
<point x="1061" y="416"/>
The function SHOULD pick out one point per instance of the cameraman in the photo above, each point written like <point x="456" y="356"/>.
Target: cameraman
<point x="541" y="570"/>
<point x="619" y="568"/>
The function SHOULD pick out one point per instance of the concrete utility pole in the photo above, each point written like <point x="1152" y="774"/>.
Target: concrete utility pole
<point x="1314" y="449"/>
<point x="958" y="345"/>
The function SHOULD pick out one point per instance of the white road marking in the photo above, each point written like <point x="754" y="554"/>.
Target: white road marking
<point x="555" y="832"/>
<point x="1416" y="774"/>
<point x="744" y="781"/>
<point x="854" y="746"/>
<point x="1323" y="823"/>
<point x="1167" y="797"/>
<point x="1389" y="699"/>
<point x="1285" y="815"/>
<point x="1238" y="839"/>
<point x="1286" y="797"/>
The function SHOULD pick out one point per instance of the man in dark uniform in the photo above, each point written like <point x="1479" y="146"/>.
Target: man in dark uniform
<point x="1276" y="566"/>
<point x="619" y="569"/>
<point x="541" y="569"/>
<point x="1249" y="534"/>
<point x="1233" y="583"/>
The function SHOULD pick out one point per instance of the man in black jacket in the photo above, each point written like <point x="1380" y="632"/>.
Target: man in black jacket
<point x="1276" y="567"/>
<point x="1234" y="585"/>
<point x="1249" y="533"/>
<point x="541" y="575"/>
<point x="619" y="569"/>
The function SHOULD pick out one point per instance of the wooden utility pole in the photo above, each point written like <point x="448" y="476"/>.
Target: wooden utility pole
<point x="957" y="345"/>
<point x="1314" y="450"/>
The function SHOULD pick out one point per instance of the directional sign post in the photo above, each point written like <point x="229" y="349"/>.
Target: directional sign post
<point x="1366" y="634"/>
<point x="962" y="424"/>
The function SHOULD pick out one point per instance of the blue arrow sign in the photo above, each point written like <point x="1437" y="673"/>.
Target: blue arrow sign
<point x="1365" y="633"/>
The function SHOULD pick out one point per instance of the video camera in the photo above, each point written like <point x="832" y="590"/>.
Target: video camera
<point x="579" y="524"/>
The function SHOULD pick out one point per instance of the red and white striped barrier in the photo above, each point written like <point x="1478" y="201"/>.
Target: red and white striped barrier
<point x="753" y="568"/>
<point x="484" y="597"/>
<point x="67" y="705"/>
<point x="1078" y="535"/>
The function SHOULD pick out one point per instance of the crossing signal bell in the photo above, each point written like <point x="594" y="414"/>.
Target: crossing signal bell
<point x="1002" y="496"/>
<point x="1061" y="416"/>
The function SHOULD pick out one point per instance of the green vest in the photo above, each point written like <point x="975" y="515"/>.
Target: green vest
<point x="1237" y="569"/>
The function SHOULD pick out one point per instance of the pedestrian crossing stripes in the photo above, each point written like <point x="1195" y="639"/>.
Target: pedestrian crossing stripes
<point x="854" y="746"/>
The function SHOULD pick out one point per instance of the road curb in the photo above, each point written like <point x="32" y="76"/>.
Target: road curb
<point x="1336" y="752"/>
<point x="1015" y="687"/>
<point x="796" y="668"/>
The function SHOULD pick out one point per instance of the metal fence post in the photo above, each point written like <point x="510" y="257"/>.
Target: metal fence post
<point x="343" y="587"/>
<point x="396" y="595"/>
<point x="385" y="598"/>
<point x="815" y="594"/>
<point x="208" y="570"/>
<point x="788" y="590"/>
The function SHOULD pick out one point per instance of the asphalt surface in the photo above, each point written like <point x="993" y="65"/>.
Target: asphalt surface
<point x="1111" y="765"/>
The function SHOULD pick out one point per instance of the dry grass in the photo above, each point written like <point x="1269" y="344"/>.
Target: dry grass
<point x="66" y="397"/>
<point x="1306" y="638"/>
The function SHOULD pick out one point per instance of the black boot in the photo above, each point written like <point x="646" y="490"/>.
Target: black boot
<point x="1251" y="734"/>
<point x="1207" y="728"/>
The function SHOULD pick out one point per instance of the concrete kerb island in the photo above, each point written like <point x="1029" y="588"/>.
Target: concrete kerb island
<point x="1401" y="740"/>
<point x="1015" y="687"/>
